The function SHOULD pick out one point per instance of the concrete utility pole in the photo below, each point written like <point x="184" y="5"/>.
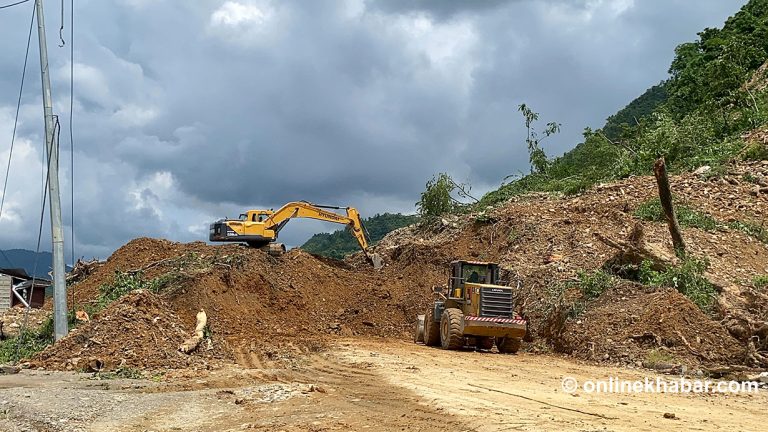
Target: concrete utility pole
<point x="57" y="231"/>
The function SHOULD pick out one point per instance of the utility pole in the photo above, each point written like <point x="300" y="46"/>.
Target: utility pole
<point x="57" y="231"/>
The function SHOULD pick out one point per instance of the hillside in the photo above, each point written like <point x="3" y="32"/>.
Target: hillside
<point x="694" y="118"/>
<point x="340" y="243"/>
<point x="22" y="258"/>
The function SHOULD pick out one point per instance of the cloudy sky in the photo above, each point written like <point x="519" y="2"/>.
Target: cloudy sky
<point x="187" y="111"/>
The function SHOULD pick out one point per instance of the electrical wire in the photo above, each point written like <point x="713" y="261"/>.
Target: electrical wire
<point x="61" y="28"/>
<point x="16" y="123"/>
<point x="13" y="4"/>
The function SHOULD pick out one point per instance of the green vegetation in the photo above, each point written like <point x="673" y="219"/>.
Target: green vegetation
<point x="760" y="282"/>
<point x="696" y="117"/>
<point x="436" y="199"/>
<point x="688" y="278"/>
<point x="687" y="216"/>
<point x="341" y="243"/>
<point x="539" y="161"/>
<point x="124" y="283"/>
<point x="658" y="358"/>
<point x="27" y="344"/>
<point x="595" y="283"/>
<point x="637" y="110"/>
<point x="759" y="232"/>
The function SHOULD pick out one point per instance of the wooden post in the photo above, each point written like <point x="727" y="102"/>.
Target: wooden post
<point x="665" y="195"/>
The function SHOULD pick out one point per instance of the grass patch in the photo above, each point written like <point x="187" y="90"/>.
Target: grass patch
<point x="751" y="229"/>
<point x="595" y="283"/>
<point x="658" y="358"/>
<point x="688" y="217"/>
<point x="688" y="278"/>
<point x="760" y="282"/>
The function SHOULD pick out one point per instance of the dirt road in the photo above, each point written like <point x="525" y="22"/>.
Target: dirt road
<point x="366" y="385"/>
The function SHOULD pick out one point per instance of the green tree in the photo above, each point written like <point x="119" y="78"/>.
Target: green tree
<point x="538" y="158"/>
<point x="436" y="199"/>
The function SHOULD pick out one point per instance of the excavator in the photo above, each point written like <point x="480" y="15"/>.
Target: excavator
<point x="259" y="228"/>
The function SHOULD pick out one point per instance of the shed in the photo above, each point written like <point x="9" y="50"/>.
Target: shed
<point x="32" y="290"/>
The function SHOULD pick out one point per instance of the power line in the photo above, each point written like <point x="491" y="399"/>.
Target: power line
<point x="16" y="123"/>
<point x="13" y="4"/>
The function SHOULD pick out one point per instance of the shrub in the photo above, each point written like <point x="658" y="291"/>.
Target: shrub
<point x="760" y="282"/>
<point x="595" y="283"/>
<point x="436" y="199"/>
<point x="688" y="278"/>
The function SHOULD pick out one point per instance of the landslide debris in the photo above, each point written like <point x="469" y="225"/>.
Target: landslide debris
<point x="138" y="331"/>
<point x="262" y="308"/>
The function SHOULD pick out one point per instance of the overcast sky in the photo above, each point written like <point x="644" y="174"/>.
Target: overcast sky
<point x="188" y="111"/>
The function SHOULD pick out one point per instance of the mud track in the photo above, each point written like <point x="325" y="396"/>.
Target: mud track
<point x="367" y="385"/>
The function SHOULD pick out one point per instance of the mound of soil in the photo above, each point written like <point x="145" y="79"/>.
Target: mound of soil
<point x="138" y="331"/>
<point x="260" y="306"/>
<point x="628" y="322"/>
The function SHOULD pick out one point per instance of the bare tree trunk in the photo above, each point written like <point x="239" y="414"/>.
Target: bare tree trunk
<point x="665" y="195"/>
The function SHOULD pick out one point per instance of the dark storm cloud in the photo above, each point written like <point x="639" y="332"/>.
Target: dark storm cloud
<point x="187" y="111"/>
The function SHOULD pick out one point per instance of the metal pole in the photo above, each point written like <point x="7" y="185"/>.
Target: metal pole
<point x="57" y="232"/>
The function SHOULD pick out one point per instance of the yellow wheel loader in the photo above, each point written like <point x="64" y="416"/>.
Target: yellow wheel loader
<point x="259" y="228"/>
<point x="473" y="310"/>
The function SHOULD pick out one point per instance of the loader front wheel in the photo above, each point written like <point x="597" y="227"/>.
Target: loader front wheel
<point x="451" y="329"/>
<point x="508" y="345"/>
<point x="431" y="329"/>
<point x="418" y="332"/>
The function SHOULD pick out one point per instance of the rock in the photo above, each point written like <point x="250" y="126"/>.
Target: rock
<point x="369" y="324"/>
<point x="703" y="170"/>
<point x="9" y="369"/>
<point x="670" y="416"/>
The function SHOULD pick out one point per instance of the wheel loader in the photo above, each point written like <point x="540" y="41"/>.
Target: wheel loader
<point x="259" y="228"/>
<point x="473" y="310"/>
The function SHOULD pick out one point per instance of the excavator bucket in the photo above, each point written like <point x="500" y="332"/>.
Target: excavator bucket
<point x="376" y="260"/>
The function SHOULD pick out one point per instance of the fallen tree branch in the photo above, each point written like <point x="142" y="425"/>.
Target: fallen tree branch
<point x="690" y="348"/>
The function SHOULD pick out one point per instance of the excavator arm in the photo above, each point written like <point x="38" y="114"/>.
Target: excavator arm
<point x="303" y="209"/>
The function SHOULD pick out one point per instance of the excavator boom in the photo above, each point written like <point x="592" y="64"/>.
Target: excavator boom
<point x="259" y="228"/>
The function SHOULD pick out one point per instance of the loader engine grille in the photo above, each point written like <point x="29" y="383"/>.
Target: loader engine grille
<point x="496" y="302"/>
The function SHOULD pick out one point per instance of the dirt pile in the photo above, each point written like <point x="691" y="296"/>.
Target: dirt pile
<point x="632" y="325"/>
<point x="262" y="308"/>
<point x="138" y="331"/>
<point x="259" y="307"/>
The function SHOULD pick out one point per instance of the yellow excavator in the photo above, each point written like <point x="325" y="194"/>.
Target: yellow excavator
<point x="259" y="228"/>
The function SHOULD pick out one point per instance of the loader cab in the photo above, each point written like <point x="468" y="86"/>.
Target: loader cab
<point x="471" y="272"/>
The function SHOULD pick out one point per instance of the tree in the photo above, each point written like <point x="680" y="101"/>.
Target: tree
<point x="436" y="200"/>
<point x="538" y="158"/>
